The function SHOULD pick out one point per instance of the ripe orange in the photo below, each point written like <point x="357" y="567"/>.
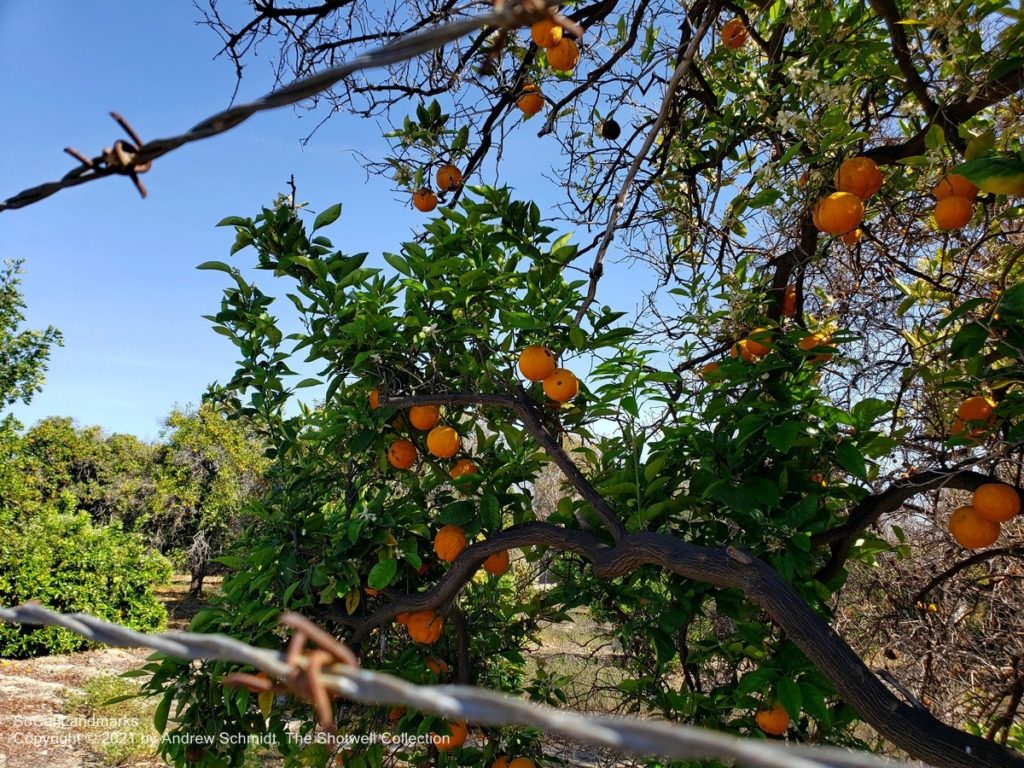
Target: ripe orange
<point x="522" y="762"/>
<point x="448" y="177"/>
<point x="374" y="398"/>
<point x="996" y="502"/>
<point x="976" y="408"/>
<point x="463" y="467"/>
<point x="955" y="185"/>
<point x="396" y="714"/>
<point x="742" y="349"/>
<point x="953" y="212"/>
<point x="960" y="427"/>
<point x="401" y="454"/>
<point x="546" y="33"/>
<point x="497" y="563"/>
<point x="709" y="371"/>
<point x="501" y="762"/>
<point x="813" y="341"/>
<point x="449" y="542"/>
<point x="443" y="442"/>
<point x="403" y="618"/>
<point x="971" y="530"/>
<point x="759" y="342"/>
<point x="447" y="742"/>
<point x="536" y="363"/>
<point x="438" y="666"/>
<point x="424" y="417"/>
<point x="859" y="176"/>
<point x="425" y="627"/>
<point x="838" y="213"/>
<point x="853" y="236"/>
<point x="774" y="721"/>
<point x="424" y="200"/>
<point x="530" y="100"/>
<point x="734" y="34"/>
<point x="564" y="56"/>
<point x="371" y="592"/>
<point x="789" y="301"/>
<point x="561" y="386"/>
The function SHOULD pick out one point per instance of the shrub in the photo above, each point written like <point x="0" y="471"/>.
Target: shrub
<point x="69" y="564"/>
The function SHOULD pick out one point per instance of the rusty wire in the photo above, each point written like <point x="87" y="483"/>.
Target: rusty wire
<point x="333" y="669"/>
<point x="130" y="159"/>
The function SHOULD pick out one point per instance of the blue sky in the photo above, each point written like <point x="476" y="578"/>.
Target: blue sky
<point x="116" y="273"/>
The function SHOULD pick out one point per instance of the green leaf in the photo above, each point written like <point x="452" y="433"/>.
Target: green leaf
<point x="327" y="217"/>
<point x="790" y="697"/>
<point x="850" y="459"/>
<point x="162" y="710"/>
<point x="490" y="512"/>
<point x="968" y="341"/>
<point x="783" y="436"/>
<point x="382" y="574"/>
<point x="220" y="266"/>
<point x="396" y="261"/>
<point x="233" y="221"/>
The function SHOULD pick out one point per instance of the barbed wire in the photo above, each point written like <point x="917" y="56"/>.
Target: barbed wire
<point x="130" y="158"/>
<point x="335" y="669"/>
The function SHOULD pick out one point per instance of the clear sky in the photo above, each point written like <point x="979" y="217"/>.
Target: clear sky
<point x="116" y="274"/>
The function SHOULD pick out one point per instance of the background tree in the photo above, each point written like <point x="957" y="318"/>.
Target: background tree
<point x="207" y="471"/>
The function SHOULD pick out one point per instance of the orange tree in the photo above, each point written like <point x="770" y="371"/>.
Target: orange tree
<point x="717" y="519"/>
<point x="827" y="196"/>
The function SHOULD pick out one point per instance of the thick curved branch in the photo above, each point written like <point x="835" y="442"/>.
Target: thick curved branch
<point x="911" y="729"/>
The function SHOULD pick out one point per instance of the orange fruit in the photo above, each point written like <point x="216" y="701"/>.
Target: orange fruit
<point x="546" y="33"/>
<point x="960" y="427"/>
<point x="976" y="408"/>
<point x="424" y="200"/>
<point x="853" y="236"/>
<point x="813" y="341"/>
<point x="448" y="177"/>
<point x="536" y="363"/>
<point x="403" y="618"/>
<point x="453" y="740"/>
<point x="424" y="567"/>
<point x="463" y="467"/>
<point x="500" y="762"/>
<point x="953" y="212"/>
<point x="522" y="762"/>
<point x="561" y="386"/>
<point x="401" y="454"/>
<point x="858" y="176"/>
<point x="564" y="56"/>
<point x="741" y="348"/>
<point x="759" y="342"/>
<point x="734" y="34"/>
<point x="438" y="666"/>
<point x="449" y="542"/>
<point x="371" y="592"/>
<point x="424" y="417"/>
<point x="497" y="563"/>
<point x="774" y="721"/>
<point x="971" y="530"/>
<point x="374" y="398"/>
<point x="530" y="100"/>
<point x="955" y="185"/>
<point x="838" y="213"/>
<point x="425" y="627"/>
<point x="443" y="442"/>
<point x="396" y="714"/>
<point x="708" y="372"/>
<point x="789" y="301"/>
<point x="996" y="502"/>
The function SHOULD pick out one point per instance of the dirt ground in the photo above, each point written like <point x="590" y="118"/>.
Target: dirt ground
<point x="36" y="727"/>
